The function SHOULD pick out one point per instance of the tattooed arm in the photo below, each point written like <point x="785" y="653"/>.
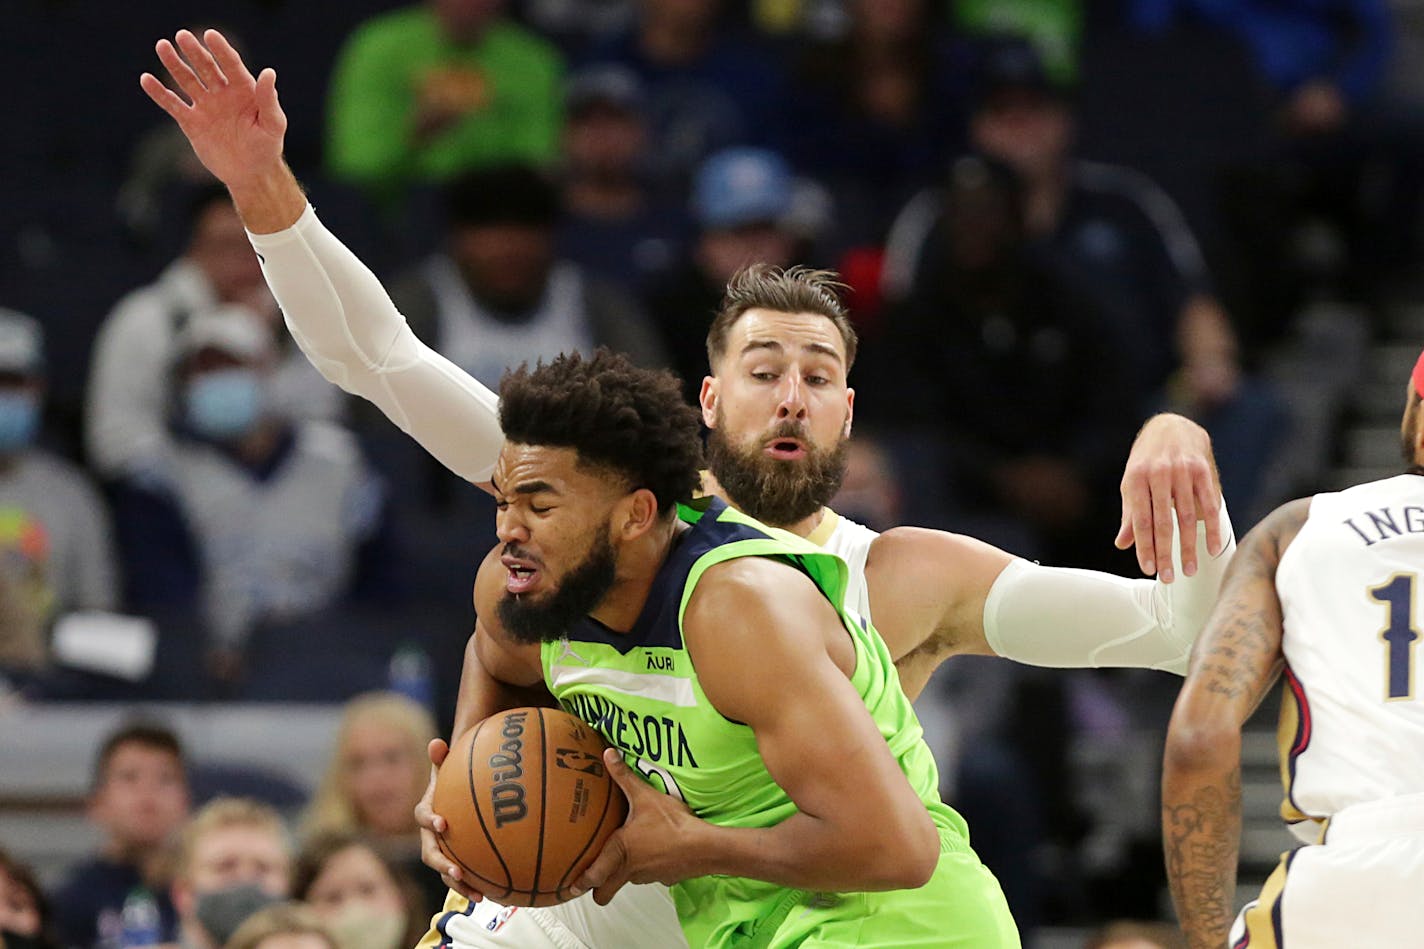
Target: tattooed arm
<point x="1234" y="663"/>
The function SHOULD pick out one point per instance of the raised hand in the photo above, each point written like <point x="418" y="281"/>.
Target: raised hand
<point x="233" y="121"/>
<point x="1170" y="467"/>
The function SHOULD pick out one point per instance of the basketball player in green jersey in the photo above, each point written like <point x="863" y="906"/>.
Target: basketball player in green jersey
<point x="805" y="816"/>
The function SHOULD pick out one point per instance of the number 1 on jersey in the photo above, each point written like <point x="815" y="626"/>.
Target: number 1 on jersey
<point x="1398" y="634"/>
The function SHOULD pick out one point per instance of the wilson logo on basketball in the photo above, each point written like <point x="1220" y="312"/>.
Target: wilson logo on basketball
<point x="506" y="768"/>
<point x="576" y="760"/>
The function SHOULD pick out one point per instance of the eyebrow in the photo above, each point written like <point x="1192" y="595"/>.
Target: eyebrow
<point x="823" y="348"/>
<point x="528" y="487"/>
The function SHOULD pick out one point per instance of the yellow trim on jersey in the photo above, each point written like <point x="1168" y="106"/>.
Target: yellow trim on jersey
<point x="455" y="905"/>
<point x="1260" y="914"/>
<point x="830" y="520"/>
<point x="1286" y="729"/>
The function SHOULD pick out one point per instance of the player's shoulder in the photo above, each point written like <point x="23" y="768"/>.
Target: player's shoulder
<point x="914" y="547"/>
<point x="746" y="588"/>
<point x="1268" y="540"/>
<point x="488" y="579"/>
<point x="746" y="576"/>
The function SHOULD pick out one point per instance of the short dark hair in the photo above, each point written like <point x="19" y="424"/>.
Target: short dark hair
<point x="615" y="415"/>
<point x="502" y="194"/>
<point x="790" y="290"/>
<point x="142" y="733"/>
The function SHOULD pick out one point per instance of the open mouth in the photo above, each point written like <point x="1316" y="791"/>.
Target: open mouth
<point x="521" y="575"/>
<point x="786" y="449"/>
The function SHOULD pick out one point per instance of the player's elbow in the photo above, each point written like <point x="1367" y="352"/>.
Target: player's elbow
<point x="1194" y="745"/>
<point x="911" y="855"/>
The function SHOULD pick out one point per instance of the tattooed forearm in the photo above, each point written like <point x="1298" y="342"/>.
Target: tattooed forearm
<point x="1234" y="662"/>
<point x="1201" y="834"/>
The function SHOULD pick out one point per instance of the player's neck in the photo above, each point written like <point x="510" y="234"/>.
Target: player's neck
<point x="638" y="567"/>
<point x="807" y="525"/>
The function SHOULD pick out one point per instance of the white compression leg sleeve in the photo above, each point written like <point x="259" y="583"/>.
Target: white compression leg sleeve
<point x="1067" y="618"/>
<point x="345" y="323"/>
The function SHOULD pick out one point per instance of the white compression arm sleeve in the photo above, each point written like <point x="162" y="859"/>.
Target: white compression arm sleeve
<point x="345" y="323"/>
<point x="1066" y="618"/>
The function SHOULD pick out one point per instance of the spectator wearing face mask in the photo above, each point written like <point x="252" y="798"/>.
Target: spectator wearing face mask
<point x="362" y="898"/>
<point x="274" y="532"/>
<point x="235" y="859"/>
<point x="55" y="546"/>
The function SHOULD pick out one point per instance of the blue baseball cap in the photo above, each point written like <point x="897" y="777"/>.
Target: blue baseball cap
<point x="740" y="186"/>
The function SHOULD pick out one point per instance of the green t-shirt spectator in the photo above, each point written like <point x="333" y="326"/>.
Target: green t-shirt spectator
<point x="410" y="103"/>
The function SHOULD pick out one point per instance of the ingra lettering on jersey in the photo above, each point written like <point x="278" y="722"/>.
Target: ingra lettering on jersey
<point x="1386" y="523"/>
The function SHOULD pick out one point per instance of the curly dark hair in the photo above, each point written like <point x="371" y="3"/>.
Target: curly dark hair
<point x="615" y="415"/>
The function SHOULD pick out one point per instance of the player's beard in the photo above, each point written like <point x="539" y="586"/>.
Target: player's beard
<point x="548" y="617"/>
<point x="776" y="492"/>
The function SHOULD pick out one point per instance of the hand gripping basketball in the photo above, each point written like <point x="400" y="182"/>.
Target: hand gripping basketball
<point x="654" y="845"/>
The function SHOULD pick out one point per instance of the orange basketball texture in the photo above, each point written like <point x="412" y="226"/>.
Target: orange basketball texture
<point x="529" y="804"/>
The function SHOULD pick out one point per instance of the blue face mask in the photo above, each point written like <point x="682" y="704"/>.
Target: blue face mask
<point x="19" y="420"/>
<point x="223" y="404"/>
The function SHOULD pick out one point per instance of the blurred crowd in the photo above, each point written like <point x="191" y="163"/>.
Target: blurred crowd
<point x="1054" y="218"/>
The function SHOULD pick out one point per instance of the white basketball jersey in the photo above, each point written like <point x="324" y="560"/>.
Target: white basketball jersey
<point x="850" y="542"/>
<point x="1352" y="718"/>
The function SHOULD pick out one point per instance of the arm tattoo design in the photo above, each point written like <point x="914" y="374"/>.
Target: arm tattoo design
<point x="1201" y="838"/>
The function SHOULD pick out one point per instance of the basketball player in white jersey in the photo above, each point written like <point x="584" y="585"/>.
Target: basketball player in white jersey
<point x="1327" y="588"/>
<point x="778" y="393"/>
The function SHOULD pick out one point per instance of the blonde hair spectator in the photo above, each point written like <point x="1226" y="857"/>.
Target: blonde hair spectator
<point x="378" y="770"/>
<point x="221" y="813"/>
<point x="283" y="926"/>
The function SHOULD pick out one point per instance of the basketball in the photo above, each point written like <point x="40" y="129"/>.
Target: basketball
<point x="529" y="804"/>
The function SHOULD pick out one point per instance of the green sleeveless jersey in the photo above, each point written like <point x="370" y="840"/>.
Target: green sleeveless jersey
<point x="640" y="690"/>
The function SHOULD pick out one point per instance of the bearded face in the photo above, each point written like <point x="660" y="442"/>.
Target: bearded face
<point x="777" y="487"/>
<point x="548" y="616"/>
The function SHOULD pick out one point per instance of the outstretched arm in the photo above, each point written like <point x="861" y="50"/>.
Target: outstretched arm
<point x="336" y="309"/>
<point x="934" y="594"/>
<point x="1236" y="660"/>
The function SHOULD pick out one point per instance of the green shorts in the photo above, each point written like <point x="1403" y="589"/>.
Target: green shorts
<point x="961" y="907"/>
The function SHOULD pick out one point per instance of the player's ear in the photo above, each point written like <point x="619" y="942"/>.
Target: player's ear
<point x="707" y="398"/>
<point x="635" y="514"/>
<point x="850" y="412"/>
